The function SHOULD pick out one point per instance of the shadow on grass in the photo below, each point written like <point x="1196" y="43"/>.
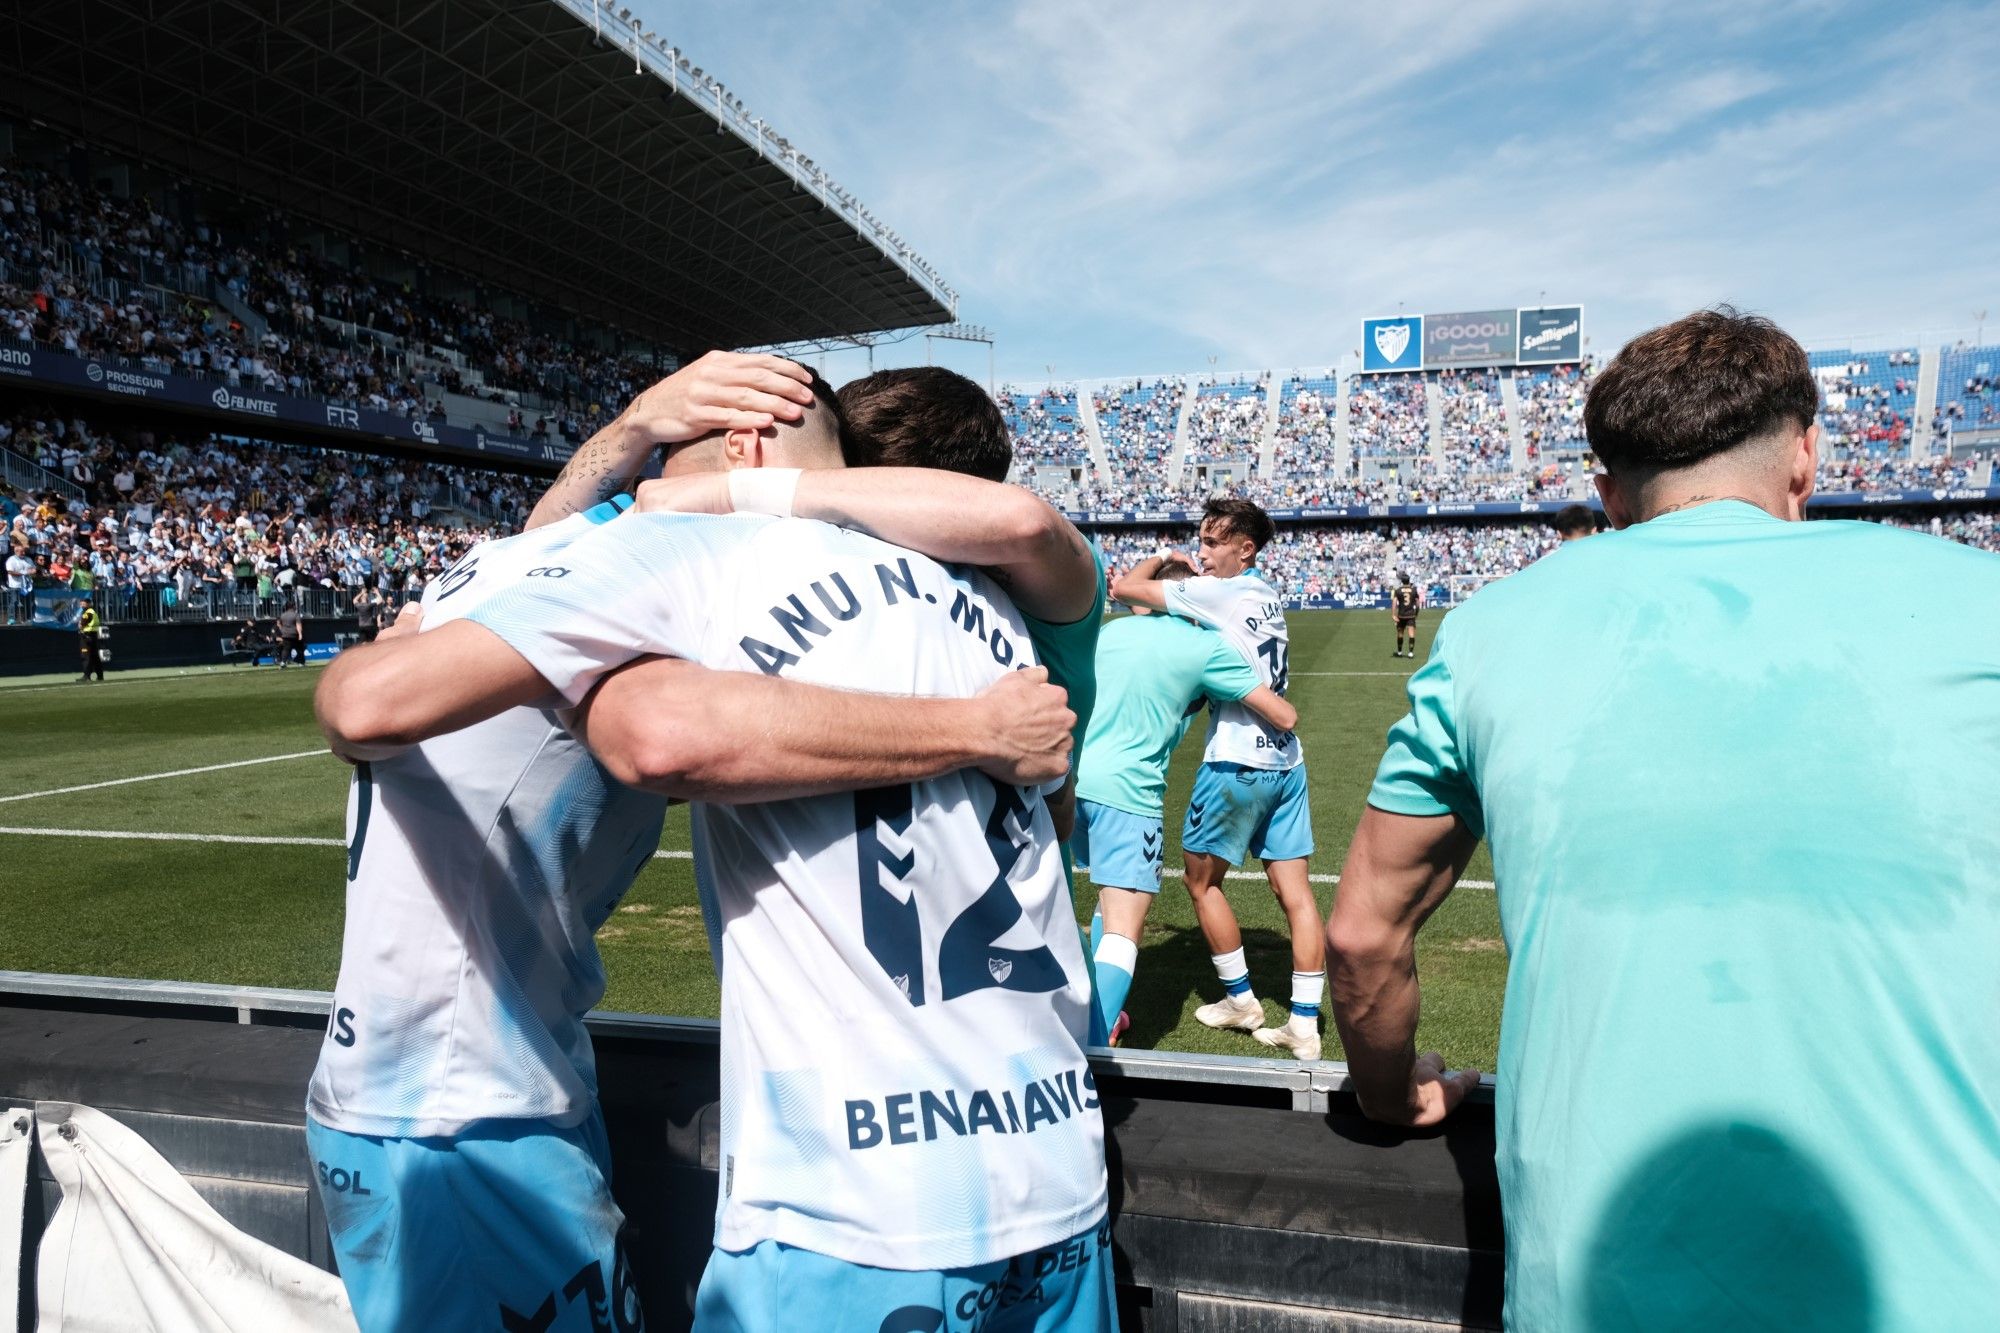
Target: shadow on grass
<point x="1174" y="968"/>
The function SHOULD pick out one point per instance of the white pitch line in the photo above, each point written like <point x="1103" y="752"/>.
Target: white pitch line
<point x="155" y="777"/>
<point x="166" y="674"/>
<point x="174" y="837"/>
<point x="1350" y="673"/>
<point x="665" y="854"/>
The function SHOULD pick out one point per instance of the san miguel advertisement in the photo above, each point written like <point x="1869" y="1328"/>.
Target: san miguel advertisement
<point x="246" y="406"/>
<point x="1551" y="333"/>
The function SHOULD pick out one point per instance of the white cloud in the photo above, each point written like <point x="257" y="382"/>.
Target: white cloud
<point x="1118" y="187"/>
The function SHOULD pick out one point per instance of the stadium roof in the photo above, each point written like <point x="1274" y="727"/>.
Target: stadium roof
<point x="511" y="140"/>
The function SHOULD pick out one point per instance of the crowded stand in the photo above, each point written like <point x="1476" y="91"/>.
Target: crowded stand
<point x="1226" y="421"/>
<point x="1552" y="408"/>
<point x="1867" y="401"/>
<point x="1475" y="424"/>
<point x="1385" y="416"/>
<point x="169" y="526"/>
<point x="1044" y="426"/>
<point x="1358" y="564"/>
<point x="1968" y="390"/>
<point x="108" y="277"/>
<point x="1308" y="411"/>
<point x="1137" y="421"/>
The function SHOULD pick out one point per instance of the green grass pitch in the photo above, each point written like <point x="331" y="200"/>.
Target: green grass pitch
<point x="270" y="913"/>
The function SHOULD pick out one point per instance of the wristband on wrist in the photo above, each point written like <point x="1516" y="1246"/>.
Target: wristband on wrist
<point x="763" y="490"/>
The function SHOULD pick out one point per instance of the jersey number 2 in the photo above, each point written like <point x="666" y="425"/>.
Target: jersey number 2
<point x="967" y="960"/>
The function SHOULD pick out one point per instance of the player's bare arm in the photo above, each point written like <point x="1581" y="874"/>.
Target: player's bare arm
<point x="699" y="734"/>
<point x="720" y="391"/>
<point x="673" y="727"/>
<point x="1273" y="707"/>
<point x="1029" y="547"/>
<point x="1399" y="869"/>
<point x="1142" y="585"/>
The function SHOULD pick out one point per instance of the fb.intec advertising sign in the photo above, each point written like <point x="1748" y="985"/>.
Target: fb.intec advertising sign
<point x="1469" y="338"/>
<point x="1392" y="344"/>
<point x="1551" y="333"/>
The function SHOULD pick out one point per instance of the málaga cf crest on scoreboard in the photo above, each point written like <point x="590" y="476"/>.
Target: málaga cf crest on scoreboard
<point x="1391" y="339"/>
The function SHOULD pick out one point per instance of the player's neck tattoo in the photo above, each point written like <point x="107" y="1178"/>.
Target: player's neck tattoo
<point x="1694" y="500"/>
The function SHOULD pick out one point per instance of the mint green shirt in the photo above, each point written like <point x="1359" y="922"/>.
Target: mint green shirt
<point x="1741" y="781"/>
<point x="1153" y="674"/>
<point x="1070" y="653"/>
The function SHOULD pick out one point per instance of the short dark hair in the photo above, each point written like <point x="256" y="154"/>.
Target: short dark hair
<point x="1240" y="518"/>
<point x="926" y="416"/>
<point x="1575" y="518"/>
<point x="1695" y="388"/>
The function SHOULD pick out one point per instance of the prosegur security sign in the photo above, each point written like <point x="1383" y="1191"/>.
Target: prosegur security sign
<point x="1392" y="344"/>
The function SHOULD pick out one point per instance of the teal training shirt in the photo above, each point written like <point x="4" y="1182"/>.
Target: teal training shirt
<point x="1070" y="652"/>
<point x="1741" y="781"/>
<point x="1151" y="671"/>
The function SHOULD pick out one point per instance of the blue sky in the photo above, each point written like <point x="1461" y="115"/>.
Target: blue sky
<point x="1133" y="188"/>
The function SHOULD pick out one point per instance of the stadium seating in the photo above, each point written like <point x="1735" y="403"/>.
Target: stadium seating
<point x="1385" y="415"/>
<point x="1226" y="422"/>
<point x="199" y="527"/>
<point x="1552" y="409"/>
<point x="96" y="274"/>
<point x="1968" y="390"/>
<point x="1044" y="426"/>
<point x="1359" y="562"/>
<point x="1867" y="399"/>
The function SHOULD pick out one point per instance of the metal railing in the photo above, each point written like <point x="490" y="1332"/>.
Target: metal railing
<point x="24" y="475"/>
<point x="228" y="603"/>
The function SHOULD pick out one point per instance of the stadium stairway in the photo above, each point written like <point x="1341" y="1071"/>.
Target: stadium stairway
<point x="253" y="321"/>
<point x="1434" y="423"/>
<point x="1343" y="445"/>
<point x="1928" y="360"/>
<point x="1177" y="456"/>
<point x="1352" y="1227"/>
<point x="1517" y="434"/>
<point x="1267" y="445"/>
<point x="1093" y="437"/>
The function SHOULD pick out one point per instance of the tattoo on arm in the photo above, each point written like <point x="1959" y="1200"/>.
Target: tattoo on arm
<point x="590" y="471"/>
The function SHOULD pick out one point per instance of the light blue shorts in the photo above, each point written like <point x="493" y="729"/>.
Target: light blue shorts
<point x="1237" y="812"/>
<point x="508" y="1225"/>
<point x="1121" y="849"/>
<point x="1062" y="1288"/>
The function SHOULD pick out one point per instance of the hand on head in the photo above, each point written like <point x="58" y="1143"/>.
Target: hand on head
<point x="720" y="391"/>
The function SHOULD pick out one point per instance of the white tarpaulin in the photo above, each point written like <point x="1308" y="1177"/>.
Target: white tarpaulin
<point x="132" y="1247"/>
<point x="17" y="1138"/>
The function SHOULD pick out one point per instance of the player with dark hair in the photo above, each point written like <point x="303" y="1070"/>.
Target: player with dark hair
<point x="1749" y="879"/>
<point x="1155" y="672"/>
<point x="485" y="849"/>
<point x="1404" y="603"/>
<point x="926" y="416"/>
<point x="1575" y="522"/>
<point x="847" y="968"/>
<point x="1250" y="795"/>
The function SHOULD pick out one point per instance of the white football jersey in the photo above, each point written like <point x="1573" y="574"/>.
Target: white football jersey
<point x="1246" y="611"/>
<point x="479" y="867"/>
<point x="904" y="994"/>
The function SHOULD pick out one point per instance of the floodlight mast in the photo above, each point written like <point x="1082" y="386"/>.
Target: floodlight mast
<point x="964" y="333"/>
